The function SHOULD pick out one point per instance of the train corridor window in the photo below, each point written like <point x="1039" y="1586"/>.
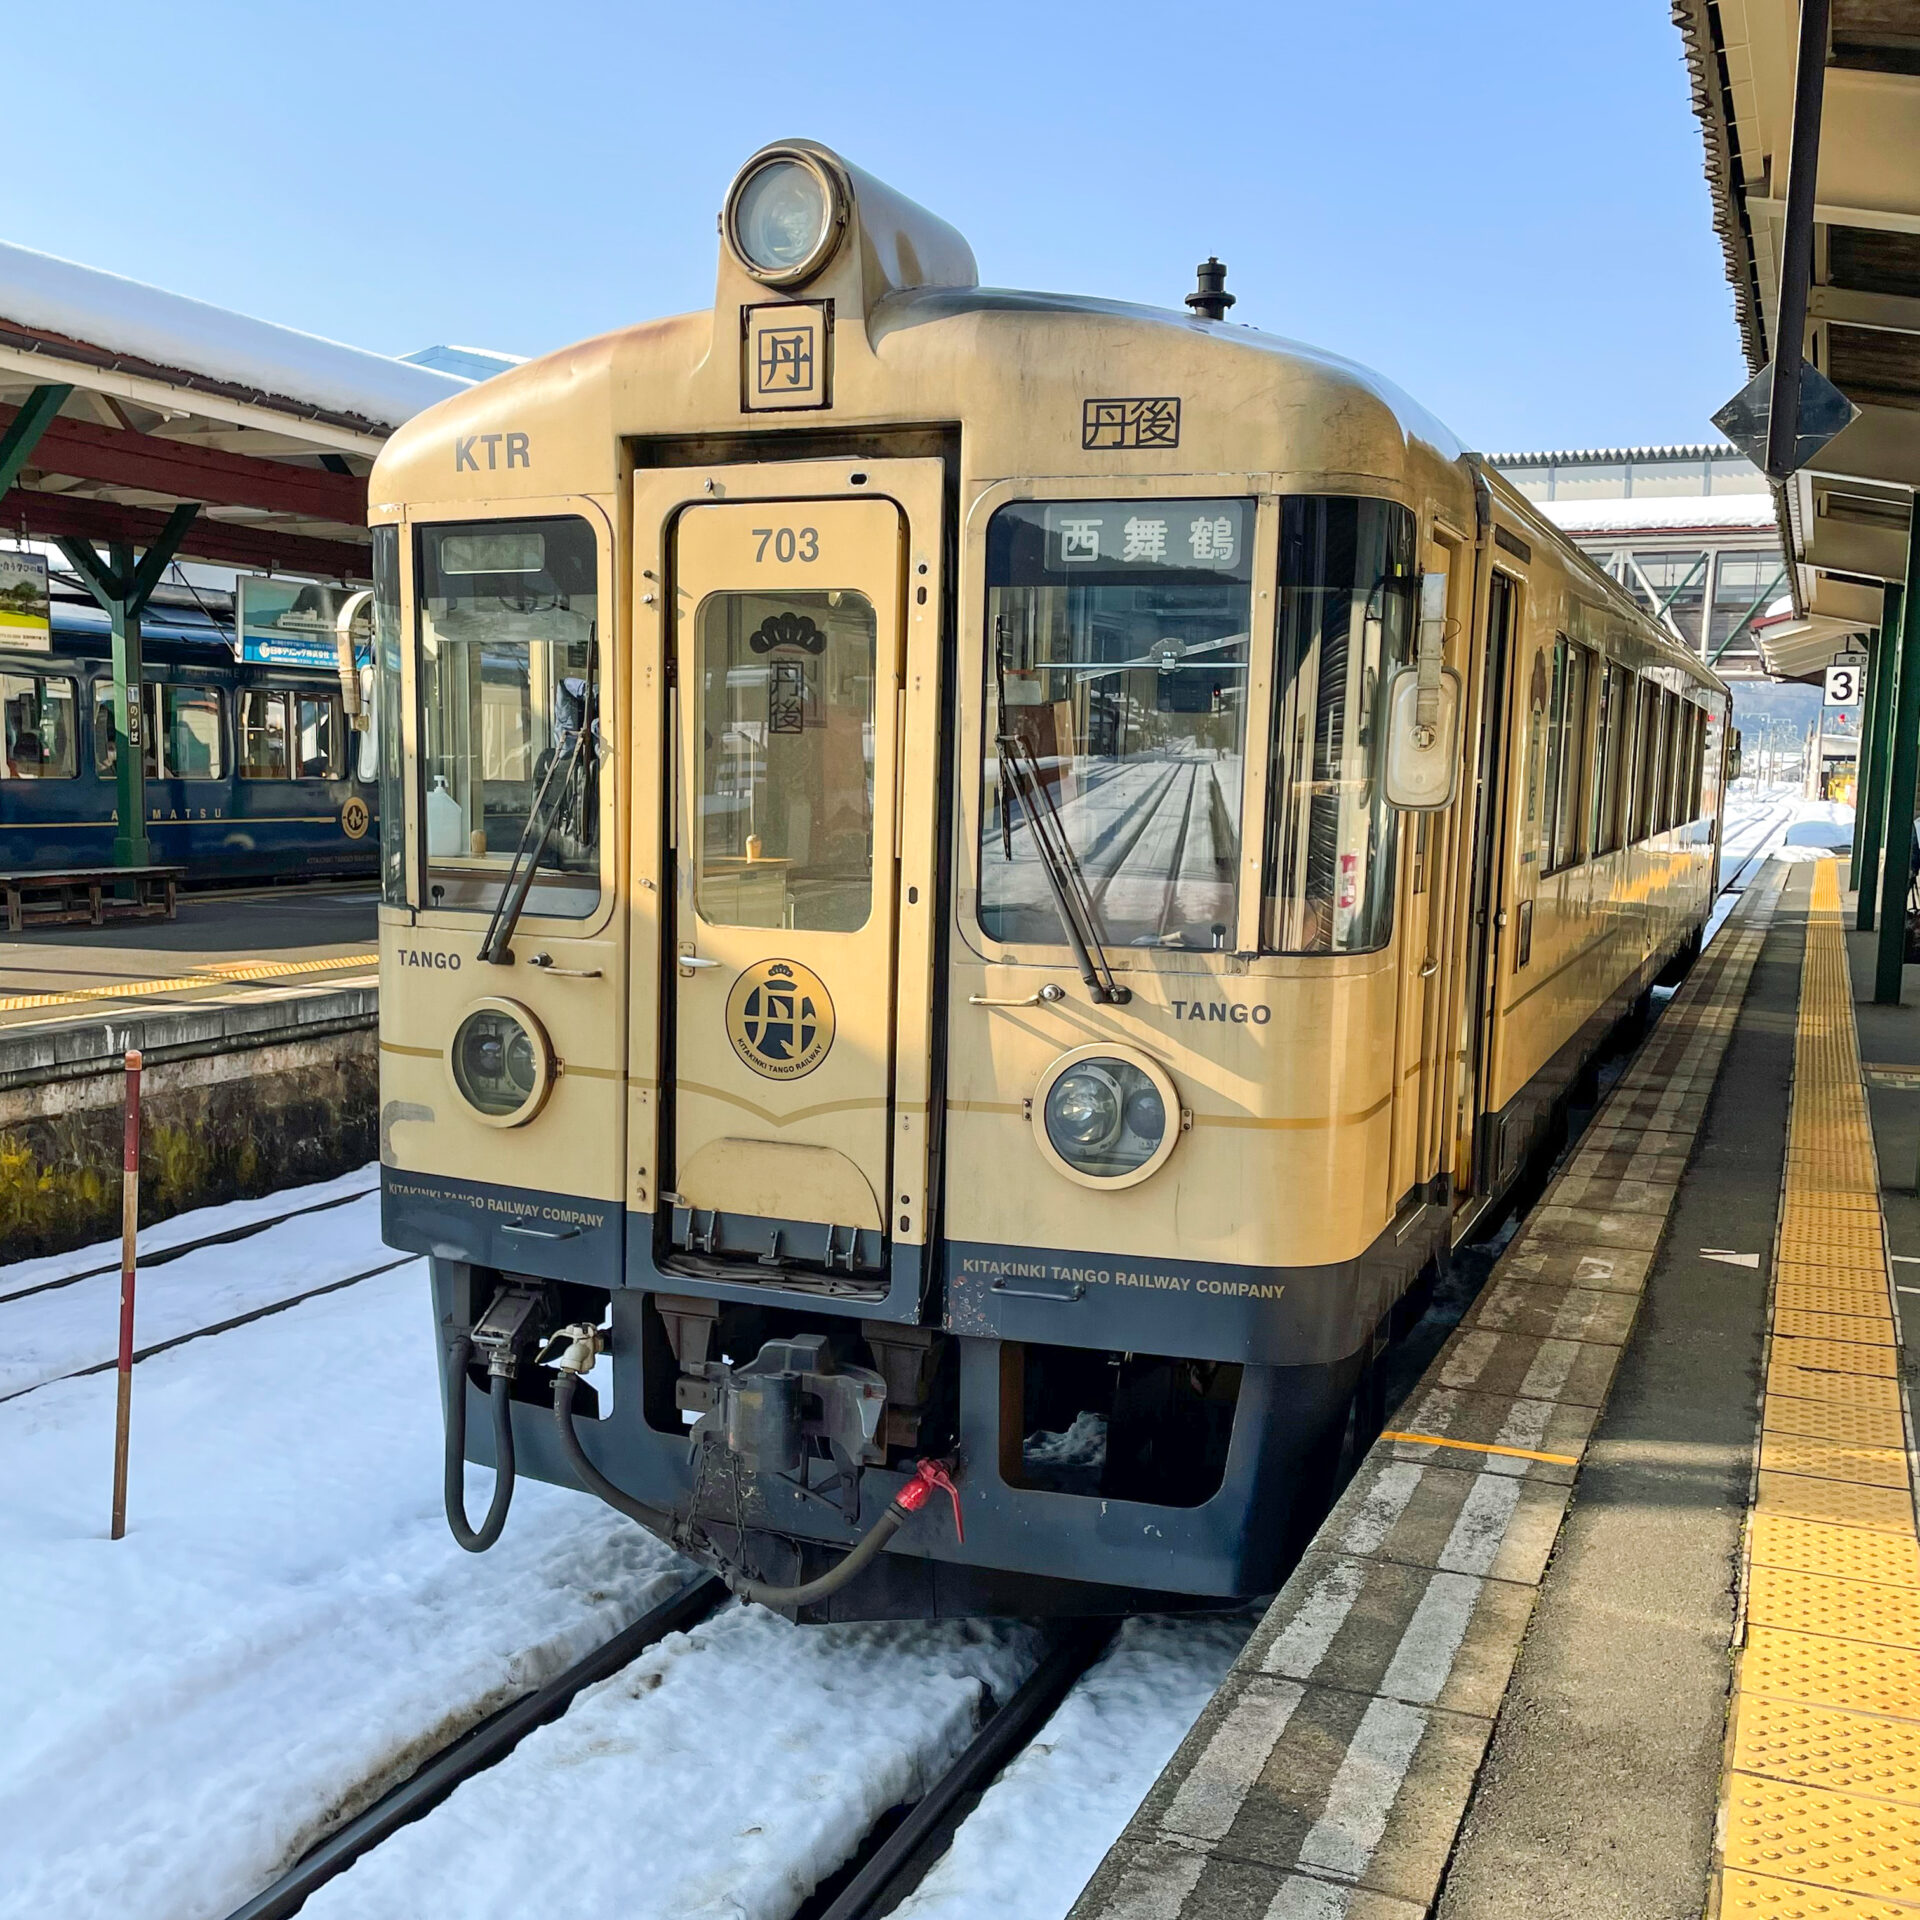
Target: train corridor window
<point x="1566" y="753"/>
<point x="1348" y="586"/>
<point x="1612" y="732"/>
<point x="263" y="734"/>
<point x="1672" y="716"/>
<point x="509" y="690"/>
<point x="1117" y="661"/>
<point x="192" y="741"/>
<point x="1646" y="760"/>
<point x="783" y="762"/>
<point x="39" y="727"/>
<point x="316" y="736"/>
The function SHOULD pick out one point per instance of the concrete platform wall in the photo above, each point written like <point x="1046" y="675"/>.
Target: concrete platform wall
<point x="238" y="1100"/>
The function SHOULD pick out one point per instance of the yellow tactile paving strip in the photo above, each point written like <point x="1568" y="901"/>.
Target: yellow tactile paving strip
<point x="1820" y="1808"/>
<point x="221" y="973"/>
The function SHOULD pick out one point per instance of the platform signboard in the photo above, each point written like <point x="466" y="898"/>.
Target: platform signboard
<point x="1847" y="680"/>
<point x="25" y="625"/>
<point x="291" y="623"/>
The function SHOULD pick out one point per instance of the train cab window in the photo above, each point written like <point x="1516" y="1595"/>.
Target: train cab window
<point x="1348" y="584"/>
<point x="783" y="760"/>
<point x="263" y="734"/>
<point x="192" y="740"/>
<point x="509" y="697"/>
<point x="316" y="737"/>
<point x="1117" y="670"/>
<point x="39" y="727"/>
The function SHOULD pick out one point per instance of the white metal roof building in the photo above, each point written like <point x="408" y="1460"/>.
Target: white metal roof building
<point x="1690" y="531"/>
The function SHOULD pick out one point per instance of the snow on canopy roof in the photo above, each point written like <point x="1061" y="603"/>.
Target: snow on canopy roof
<point x="297" y="371"/>
<point x="1715" y="513"/>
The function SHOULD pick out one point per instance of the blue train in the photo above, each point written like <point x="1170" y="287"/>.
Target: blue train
<point x="253" y="772"/>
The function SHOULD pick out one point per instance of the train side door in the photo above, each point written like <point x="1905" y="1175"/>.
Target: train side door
<point x="1486" y="894"/>
<point x="791" y="1053"/>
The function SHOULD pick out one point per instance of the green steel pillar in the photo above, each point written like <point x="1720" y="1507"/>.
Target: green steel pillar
<point x="131" y="847"/>
<point x="1903" y="766"/>
<point x="123" y="589"/>
<point x="1870" y="798"/>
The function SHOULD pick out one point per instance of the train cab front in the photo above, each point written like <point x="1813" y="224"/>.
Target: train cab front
<point x="890" y="1086"/>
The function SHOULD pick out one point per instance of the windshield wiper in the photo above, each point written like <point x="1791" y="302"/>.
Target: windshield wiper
<point x="1019" y="775"/>
<point x="542" y="818"/>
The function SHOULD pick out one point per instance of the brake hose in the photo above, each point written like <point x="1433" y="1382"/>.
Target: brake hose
<point x="499" y="1388"/>
<point x="909" y="1500"/>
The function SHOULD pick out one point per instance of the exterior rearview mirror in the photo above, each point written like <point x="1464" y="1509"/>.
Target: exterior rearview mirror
<point x="1423" y="754"/>
<point x="1423" y="714"/>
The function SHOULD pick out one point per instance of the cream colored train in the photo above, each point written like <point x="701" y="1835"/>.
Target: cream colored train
<point x="977" y="884"/>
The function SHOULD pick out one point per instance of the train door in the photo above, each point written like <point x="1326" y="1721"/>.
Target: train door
<point x="1428" y="916"/>
<point x="796" y="991"/>
<point x="1486" y="894"/>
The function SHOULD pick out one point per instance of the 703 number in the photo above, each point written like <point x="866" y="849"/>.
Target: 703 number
<point x="787" y="544"/>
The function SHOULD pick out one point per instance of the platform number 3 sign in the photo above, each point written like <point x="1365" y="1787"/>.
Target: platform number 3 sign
<point x="1846" y="681"/>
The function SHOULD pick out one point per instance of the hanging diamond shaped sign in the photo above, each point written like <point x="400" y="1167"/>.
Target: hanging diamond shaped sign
<point x="1824" y="412"/>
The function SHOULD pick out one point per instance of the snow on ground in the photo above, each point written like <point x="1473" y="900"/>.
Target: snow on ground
<point x="721" y="1776"/>
<point x="1041" y="1829"/>
<point x="49" y="1334"/>
<point x="188" y="1226"/>
<point x="287" y="1627"/>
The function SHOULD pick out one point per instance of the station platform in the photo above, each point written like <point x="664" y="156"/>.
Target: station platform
<point x="1621" y="1617"/>
<point x="256" y="1017"/>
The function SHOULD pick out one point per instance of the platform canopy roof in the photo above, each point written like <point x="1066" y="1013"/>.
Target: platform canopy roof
<point x="1844" y="516"/>
<point x="132" y="403"/>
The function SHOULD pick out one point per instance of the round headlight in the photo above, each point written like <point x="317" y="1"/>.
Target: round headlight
<point x="500" y="1063"/>
<point x="783" y="217"/>
<point x="1103" y="1116"/>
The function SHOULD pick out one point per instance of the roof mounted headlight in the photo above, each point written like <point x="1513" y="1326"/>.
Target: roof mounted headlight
<point x="785" y="214"/>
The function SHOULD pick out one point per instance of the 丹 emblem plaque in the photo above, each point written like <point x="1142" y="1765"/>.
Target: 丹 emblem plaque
<point x="780" y="1019"/>
<point x="786" y="356"/>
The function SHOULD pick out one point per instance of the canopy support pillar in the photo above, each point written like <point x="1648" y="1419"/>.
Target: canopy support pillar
<point x="1904" y="764"/>
<point x="123" y="587"/>
<point x="1870" y="800"/>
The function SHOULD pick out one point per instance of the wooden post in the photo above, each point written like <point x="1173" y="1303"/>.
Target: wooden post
<point x="129" y="1255"/>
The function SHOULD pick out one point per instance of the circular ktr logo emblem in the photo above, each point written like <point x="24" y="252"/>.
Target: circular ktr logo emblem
<point x="354" y="818"/>
<point x="780" y="1019"/>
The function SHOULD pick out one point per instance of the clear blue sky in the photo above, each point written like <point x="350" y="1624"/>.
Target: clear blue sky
<point x="1497" y="203"/>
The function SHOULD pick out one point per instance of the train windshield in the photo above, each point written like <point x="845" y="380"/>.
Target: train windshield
<point x="508" y="687"/>
<point x="1117" y="653"/>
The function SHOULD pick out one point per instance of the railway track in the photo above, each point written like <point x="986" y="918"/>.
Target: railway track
<point x="163" y="1256"/>
<point x="899" y="1850"/>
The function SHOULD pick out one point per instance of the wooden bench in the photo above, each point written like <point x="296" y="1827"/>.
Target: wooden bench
<point x="68" y="895"/>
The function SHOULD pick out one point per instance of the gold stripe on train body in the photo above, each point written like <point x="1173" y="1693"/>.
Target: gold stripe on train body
<point x="948" y="400"/>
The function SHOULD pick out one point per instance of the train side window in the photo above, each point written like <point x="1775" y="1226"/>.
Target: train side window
<point x="39" y="727"/>
<point x="193" y="742"/>
<point x="1567" y="753"/>
<point x="263" y="734"/>
<point x="317" y="737"/>
<point x="1670" y="719"/>
<point x="1646" y="760"/>
<point x="1348" y="582"/>
<point x="1612" y="725"/>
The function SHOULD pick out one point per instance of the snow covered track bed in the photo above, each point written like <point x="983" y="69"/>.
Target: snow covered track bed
<point x="288" y="1632"/>
<point x="60" y="1316"/>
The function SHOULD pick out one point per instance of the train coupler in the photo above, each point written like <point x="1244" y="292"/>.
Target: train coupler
<point x="770" y="1412"/>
